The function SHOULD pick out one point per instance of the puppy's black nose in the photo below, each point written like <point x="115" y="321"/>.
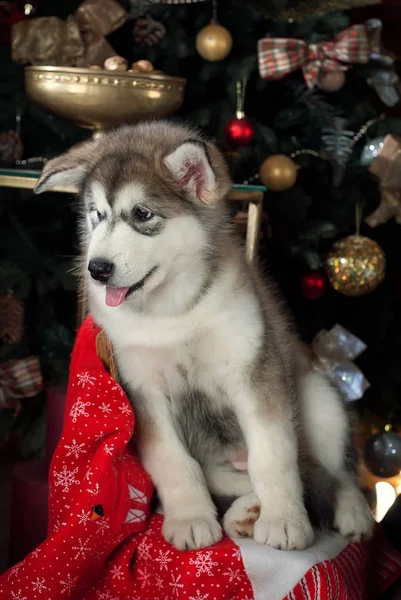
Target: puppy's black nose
<point x="100" y="269"/>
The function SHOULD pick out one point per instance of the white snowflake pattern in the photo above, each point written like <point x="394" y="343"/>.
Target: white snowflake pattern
<point x="102" y="525"/>
<point x="144" y="550"/>
<point x="143" y="577"/>
<point x="85" y="379"/>
<point x="58" y="524"/>
<point x="35" y="553"/>
<point x="95" y="491"/>
<point x="237" y="554"/>
<point x="125" y="409"/>
<point x="203" y="563"/>
<point x="159" y="582"/>
<point x="109" y="449"/>
<point x="105" y="408"/>
<point x="118" y="388"/>
<point x="84" y="517"/>
<point x="99" y="555"/>
<point x="105" y="595"/>
<point x="117" y="572"/>
<point x="233" y="575"/>
<point x="66" y="478"/>
<point x="99" y="436"/>
<point x="75" y="449"/>
<point x="18" y="596"/>
<point x="39" y="585"/>
<point x="82" y="548"/>
<point x="175" y="583"/>
<point x="78" y="409"/>
<point x="198" y="596"/>
<point x="164" y="559"/>
<point x="68" y="584"/>
<point x="15" y="570"/>
<point x="88" y="474"/>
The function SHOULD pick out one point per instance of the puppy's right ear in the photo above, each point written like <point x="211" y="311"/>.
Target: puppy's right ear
<point x="68" y="169"/>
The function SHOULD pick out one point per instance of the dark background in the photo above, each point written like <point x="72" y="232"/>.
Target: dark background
<point x="37" y="233"/>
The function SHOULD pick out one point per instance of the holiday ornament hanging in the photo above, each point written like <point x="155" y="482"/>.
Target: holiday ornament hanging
<point x="214" y="42"/>
<point x="240" y="131"/>
<point x="382" y="453"/>
<point x="331" y="81"/>
<point x="278" y="172"/>
<point x="313" y="285"/>
<point x="355" y="265"/>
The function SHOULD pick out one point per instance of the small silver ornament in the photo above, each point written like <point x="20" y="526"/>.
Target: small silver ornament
<point x="371" y="150"/>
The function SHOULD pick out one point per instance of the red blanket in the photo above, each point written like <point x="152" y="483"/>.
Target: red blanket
<point x="102" y="544"/>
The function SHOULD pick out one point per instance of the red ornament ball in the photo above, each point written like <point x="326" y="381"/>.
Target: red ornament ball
<point x="313" y="285"/>
<point x="239" y="132"/>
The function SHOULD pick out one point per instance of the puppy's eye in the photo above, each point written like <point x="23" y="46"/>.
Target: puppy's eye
<point x="99" y="215"/>
<point x="143" y="214"/>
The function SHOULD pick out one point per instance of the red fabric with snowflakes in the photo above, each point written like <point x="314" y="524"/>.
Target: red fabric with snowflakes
<point x="115" y="551"/>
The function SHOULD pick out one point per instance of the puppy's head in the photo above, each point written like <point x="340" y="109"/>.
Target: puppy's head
<point x="151" y="197"/>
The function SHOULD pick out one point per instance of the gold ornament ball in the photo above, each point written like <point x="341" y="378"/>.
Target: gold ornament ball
<point x="278" y="172"/>
<point x="331" y="81"/>
<point x="355" y="265"/>
<point x="214" y="42"/>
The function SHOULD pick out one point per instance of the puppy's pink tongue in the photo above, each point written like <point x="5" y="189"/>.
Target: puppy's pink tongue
<point x="114" y="296"/>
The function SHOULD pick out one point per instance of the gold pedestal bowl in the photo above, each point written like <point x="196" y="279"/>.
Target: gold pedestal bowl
<point x="100" y="99"/>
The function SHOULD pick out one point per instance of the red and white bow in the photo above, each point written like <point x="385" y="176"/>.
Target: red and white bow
<point x="279" y="56"/>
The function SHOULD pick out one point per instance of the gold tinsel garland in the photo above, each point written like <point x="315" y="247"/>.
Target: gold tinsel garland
<point x="303" y="9"/>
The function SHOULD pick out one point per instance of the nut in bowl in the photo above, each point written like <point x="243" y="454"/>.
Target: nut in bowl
<point x="99" y="99"/>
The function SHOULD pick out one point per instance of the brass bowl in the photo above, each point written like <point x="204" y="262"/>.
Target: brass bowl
<point x="100" y="99"/>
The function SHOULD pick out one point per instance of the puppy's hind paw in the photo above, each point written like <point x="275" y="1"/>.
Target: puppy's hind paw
<point x="353" y="518"/>
<point x="240" y="518"/>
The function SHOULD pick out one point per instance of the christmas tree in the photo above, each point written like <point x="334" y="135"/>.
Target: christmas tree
<point x="323" y="122"/>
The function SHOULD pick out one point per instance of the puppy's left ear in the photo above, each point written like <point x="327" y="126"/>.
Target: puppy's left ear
<point x="199" y="169"/>
<point x="68" y="169"/>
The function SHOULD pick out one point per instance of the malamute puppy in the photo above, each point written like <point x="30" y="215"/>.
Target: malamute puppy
<point x="203" y="348"/>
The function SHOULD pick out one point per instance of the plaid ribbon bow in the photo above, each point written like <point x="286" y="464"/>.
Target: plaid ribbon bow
<point x="279" y="56"/>
<point x="21" y="378"/>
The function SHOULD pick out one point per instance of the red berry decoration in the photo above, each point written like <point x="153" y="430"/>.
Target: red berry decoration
<point x="313" y="285"/>
<point x="239" y="132"/>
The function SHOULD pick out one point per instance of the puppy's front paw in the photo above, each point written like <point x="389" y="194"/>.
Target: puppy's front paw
<point x="292" y="533"/>
<point x="192" y="534"/>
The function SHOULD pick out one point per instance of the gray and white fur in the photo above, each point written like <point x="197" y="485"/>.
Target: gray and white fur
<point x="204" y="349"/>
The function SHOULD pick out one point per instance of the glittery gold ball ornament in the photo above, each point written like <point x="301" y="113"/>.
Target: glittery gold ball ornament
<point x="355" y="265"/>
<point x="214" y="42"/>
<point x="278" y="172"/>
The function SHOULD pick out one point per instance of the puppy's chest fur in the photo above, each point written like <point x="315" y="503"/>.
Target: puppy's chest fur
<point x="190" y="380"/>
